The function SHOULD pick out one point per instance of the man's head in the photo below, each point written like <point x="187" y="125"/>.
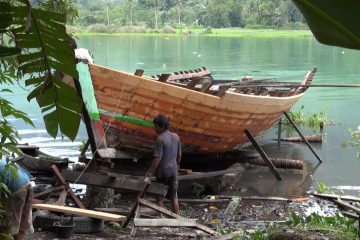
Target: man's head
<point x="161" y="123"/>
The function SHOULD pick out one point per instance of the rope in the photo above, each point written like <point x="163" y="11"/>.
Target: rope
<point x="102" y="139"/>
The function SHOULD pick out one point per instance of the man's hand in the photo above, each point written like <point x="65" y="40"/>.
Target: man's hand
<point x="147" y="177"/>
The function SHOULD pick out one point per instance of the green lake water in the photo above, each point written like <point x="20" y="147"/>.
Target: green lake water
<point x="286" y="59"/>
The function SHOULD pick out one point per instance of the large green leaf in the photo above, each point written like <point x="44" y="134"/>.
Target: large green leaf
<point x="48" y="50"/>
<point x="6" y="20"/>
<point x="333" y="22"/>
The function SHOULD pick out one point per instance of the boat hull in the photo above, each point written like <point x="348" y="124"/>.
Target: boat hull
<point x="127" y="104"/>
<point x="40" y="162"/>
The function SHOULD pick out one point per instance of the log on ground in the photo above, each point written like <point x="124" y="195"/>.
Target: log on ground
<point x="277" y="162"/>
<point x="312" y="138"/>
<point x="219" y="183"/>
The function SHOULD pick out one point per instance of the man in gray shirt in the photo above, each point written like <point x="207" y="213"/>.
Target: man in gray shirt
<point x="167" y="156"/>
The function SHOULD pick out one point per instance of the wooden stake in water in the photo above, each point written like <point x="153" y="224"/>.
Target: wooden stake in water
<point x="302" y="136"/>
<point x="279" y="130"/>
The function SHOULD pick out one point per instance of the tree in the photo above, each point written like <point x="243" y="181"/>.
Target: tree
<point x="178" y="3"/>
<point x="130" y="4"/>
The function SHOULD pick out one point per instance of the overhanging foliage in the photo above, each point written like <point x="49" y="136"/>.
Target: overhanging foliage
<point x="333" y="22"/>
<point x="45" y="48"/>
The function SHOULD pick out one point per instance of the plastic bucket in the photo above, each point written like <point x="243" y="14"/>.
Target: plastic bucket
<point x="63" y="229"/>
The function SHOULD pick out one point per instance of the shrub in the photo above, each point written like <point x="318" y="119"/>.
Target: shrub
<point x="73" y="29"/>
<point x="98" y="28"/>
<point x="185" y="32"/>
<point x="168" y="30"/>
<point x="114" y="29"/>
<point x="155" y="31"/>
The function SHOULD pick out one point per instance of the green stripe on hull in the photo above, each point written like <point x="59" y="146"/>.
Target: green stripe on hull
<point x="128" y="119"/>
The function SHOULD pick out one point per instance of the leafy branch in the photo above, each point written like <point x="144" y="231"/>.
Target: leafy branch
<point x="46" y="49"/>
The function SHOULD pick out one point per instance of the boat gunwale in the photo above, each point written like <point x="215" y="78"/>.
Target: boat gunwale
<point x="192" y="90"/>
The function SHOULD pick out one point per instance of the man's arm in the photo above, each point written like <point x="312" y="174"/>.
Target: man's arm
<point x="178" y="158"/>
<point x="154" y="165"/>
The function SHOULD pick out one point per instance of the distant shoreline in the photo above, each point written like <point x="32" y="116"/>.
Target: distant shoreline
<point x="216" y="33"/>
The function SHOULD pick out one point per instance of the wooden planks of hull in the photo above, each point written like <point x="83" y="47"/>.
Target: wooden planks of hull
<point x="205" y="122"/>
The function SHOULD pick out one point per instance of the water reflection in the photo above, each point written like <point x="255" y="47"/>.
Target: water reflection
<point x="295" y="182"/>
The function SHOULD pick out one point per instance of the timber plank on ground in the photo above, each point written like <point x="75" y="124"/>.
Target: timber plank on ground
<point x="333" y="196"/>
<point x="125" y="212"/>
<point x="165" y="222"/>
<point x="228" y="236"/>
<point x="348" y="206"/>
<point x="166" y="212"/>
<point x="81" y="212"/>
<point x="111" y="182"/>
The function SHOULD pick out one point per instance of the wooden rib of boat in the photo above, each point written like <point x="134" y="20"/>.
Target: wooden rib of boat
<point x="34" y="160"/>
<point x="209" y="116"/>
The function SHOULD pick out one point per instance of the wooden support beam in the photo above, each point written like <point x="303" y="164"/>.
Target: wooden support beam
<point x="137" y="217"/>
<point x="61" y="179"/>
<point x="164" y="77"/>
<point x="47" y="192"/>
<point x="111" y="182"/>
<point x="132" y="212"/>
<point x="263" y="155"/>
<point x="139" y="72"/>
<point x="302" y="136"/>
<point x="81" y="212"/>
<point x="279" y="129"/>
<point x="165" y="222"/>
<point x="166" y="212"/>
<point x="82" y="154"/>
<point x="222" y="91"/>
<point x="193" y="83"/>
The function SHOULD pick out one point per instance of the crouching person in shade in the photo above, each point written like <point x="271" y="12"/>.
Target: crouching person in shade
<point x="167" y="156"/>
<point x="16" y="219"/>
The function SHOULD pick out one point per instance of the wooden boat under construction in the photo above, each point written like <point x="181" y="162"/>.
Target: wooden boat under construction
<point x="210" y="116"/>
<point x="34" y="160"/>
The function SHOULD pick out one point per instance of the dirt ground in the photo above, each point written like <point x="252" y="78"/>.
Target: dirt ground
<point x="250" y="215"/>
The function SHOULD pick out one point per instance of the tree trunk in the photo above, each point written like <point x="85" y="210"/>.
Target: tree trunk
<point x="131" y="17"/>
<point x="107" y="10"/>
<point x="156" y="25"/>
<point x="99" y="197"/>
<point x="179" y="16"/>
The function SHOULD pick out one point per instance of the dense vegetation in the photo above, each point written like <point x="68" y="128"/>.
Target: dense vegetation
<point x="111" y="15"/>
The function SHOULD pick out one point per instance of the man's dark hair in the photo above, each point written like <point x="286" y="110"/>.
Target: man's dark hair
<point x="162" y="121"/>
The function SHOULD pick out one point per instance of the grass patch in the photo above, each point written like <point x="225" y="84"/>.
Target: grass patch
<point x="117" y="230"/>
<point x="337" y="227"/>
